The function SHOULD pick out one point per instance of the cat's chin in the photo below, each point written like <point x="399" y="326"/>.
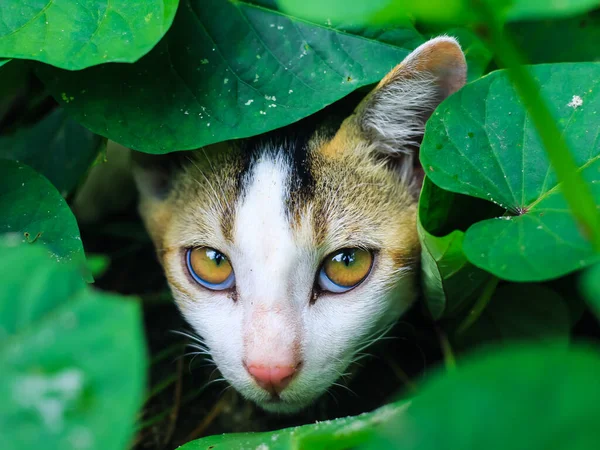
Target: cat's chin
<point x="280" y="406"/>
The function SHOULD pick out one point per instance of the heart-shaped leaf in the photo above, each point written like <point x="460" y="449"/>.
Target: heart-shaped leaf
<point x="73" y="364"/>
<point x="35" y="213"/>
<point x="74" y="35"/>
<point x="521" y="397"/>
<point x="481" y="142"/>
<point x="57" y="147"/>
<point x="225" y="70"/>
<point x="450" y="282"/>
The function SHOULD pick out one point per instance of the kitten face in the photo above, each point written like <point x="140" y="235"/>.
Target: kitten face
<point x="277" y="209"/>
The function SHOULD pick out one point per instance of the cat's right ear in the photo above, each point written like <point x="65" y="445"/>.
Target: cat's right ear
<point x="153" y="174"/>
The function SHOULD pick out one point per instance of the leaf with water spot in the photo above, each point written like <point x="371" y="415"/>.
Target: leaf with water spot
<point x="72" y="359"/>
<point x="224" y="70"/>
<point x="35" y="213"/>
<point x="481" y="142"/>
<point x="347" y="432"/>
<point x="75" y="35"/>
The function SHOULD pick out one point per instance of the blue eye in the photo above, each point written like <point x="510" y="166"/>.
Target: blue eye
<point x="210" y="268"/>
<point x="345" y="269"/>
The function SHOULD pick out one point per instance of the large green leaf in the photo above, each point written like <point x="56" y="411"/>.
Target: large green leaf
<point x="336" y="434"/>
<point x="482" y="143"/>
<point x="449" y="281"/>
<point x="35" y="213"/>
<point x="73" y="363"/>
<point x="74" y="35"/>
<point x="519" y="398"/>
<point x="57" y="147"/>
<point x="531" y="312"/>
<point x="225" y="70"/>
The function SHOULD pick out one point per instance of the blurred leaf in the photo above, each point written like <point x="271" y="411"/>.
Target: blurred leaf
<point x="225" y="70"/>
<point x="567" y="40"/>
<point x="531" y="312"/>
<point x="480" y="142"/>
<point x="449" y="280"/>
<point x="519" y="397"/>
<point x="97" y="264"/>
<point x="457" y="12"/>
<point x="590" y="285"/>
<point x="3" y="61"/>
<point x="35" y="213"/>
<point x="547" y="9"/>
<point x="72" y="359"/>
<point x="57" y="147"/>
<point x="342" y="433"/>
<point x="74" y="35"/>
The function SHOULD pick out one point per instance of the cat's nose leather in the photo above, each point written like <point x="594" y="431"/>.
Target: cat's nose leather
<point x="273" y="379"/>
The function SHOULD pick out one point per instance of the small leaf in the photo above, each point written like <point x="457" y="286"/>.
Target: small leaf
<point x="57" y="147"/>
<point x="481" y="142"/>
<point x="73" y="364"/>
<point x="518" y="398"/>
<point x="590" y="285"/>
<point x="34" y="213"/>
<point x="75" y="35"/>
<point x="449" y="281"/>
<point x="225" y="70"/>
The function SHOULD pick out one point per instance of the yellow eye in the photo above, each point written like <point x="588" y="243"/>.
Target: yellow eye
<point x="210" y="268"/>
<point x="345" y="269"/>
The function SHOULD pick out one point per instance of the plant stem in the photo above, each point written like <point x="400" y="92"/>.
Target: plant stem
<point x="479" y="306"/>
<point x="576" y="191"/>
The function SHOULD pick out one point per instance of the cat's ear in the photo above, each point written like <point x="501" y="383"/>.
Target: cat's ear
<point x="153" y="174"/>
<point x="391" y="118"/>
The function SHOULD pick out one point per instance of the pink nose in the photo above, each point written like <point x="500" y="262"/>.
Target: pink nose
<point x="273" y="379"/>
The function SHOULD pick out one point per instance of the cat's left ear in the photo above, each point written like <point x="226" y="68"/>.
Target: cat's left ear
<point x="392" y="117"/>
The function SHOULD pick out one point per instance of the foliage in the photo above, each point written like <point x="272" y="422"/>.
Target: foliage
<point x="72" y="358"/>
<point x="506" y="213"/>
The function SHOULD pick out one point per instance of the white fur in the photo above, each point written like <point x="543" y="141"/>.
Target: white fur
<point x="272" y="321"/>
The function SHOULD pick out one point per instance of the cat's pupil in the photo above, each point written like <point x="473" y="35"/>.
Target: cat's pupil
<point x="216" y="257"/>
<point x="348" y="257"/>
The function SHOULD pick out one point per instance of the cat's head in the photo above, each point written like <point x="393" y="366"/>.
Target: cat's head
<point x="289" y="253"/>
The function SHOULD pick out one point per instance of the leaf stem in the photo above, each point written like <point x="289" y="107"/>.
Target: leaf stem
<point x="576" y="191"/>
<point x="479" y="306"/>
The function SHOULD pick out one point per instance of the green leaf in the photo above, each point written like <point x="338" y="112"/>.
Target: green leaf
<point x="389" y="12"/>
<point x="3" y="61"/>
<point x="521" y="397"/>
<point x="522" y="312"/>
<point x="480" y="142"/>
<point x="73" y="363"/>
<point x="328" y="435"/>
<point x="225" y="70"/>
<point x="567" y="40"/>
<point x="590" y="286"/>
<point x="75" y="35"/>
<point x="35" y="213"/>
<point x="449" y="281"/>
<point x="57" y="147"/>
<point x="544" y="9"/>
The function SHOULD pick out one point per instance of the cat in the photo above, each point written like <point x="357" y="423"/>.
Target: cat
<point x="287" y="252"/>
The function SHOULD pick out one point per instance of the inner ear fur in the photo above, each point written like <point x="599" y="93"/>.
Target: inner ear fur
<point x="391" y="118"/>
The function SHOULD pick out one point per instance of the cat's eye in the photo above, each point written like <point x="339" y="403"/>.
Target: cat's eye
<point x="210" y="268"/>
<point x="345" y="269"/>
